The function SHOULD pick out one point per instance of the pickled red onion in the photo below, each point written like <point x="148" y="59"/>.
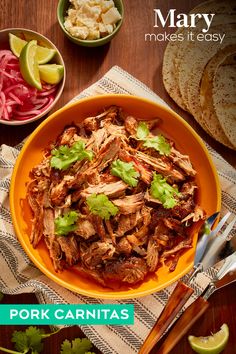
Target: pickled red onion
<point x="18" y="100"/>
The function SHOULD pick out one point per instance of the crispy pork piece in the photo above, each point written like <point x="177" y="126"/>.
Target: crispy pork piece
<point x="108" y="152"/>
<point x="163" y="166"/>
<point x="185" y="244"/>
<point x="85" y="228"/>
<point x="152" y="256"/>
<point x="58" y="192"/>
<point x="70" y="248"/>
<point x="183" y="208"/>
<point x="187" y="190"/>
<point x="197" y="215"/>
<point x="99" y="226"/>
<point x="131" y="125"/>
<point x="51" y="240"/>
<point x="96" y="140"/>
<point x="110" y="189"/>
<point x="128" y="222"/>
<point x="124" y="247"/>
<point x="38" y="198"/>
<point x="41" y="170"/>
<point x="131" y="270"/>
<point x="183" y="161"/>
<point x="130" y="204"/>
<point x="66" y="138"/>
<point x="96" y="253"/>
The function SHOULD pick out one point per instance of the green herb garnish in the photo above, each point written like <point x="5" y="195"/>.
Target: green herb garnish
<point x="126" y="171"/>
<point x="66" y="223"/>
<point x="163" y="191"/>
<point x="28" y="341"/>
<point x="142" y="131"/>
<point x="100" y="205"/>
<point x="158" y="142"/>
<point x="78" y="346"/>
<point x="64" y="156"/>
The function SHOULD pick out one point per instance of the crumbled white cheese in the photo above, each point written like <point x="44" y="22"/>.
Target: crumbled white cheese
<point x="111" y="16"/>
<point x="79" y="32"/>
<point x="91" y="19"/>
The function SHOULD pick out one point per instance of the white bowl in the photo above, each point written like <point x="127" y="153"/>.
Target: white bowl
<point x="43" y="41"/>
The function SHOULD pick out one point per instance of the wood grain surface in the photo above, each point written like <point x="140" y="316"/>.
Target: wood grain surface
<point x="86" y="65"/>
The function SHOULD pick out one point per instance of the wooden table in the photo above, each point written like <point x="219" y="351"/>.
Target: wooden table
<point x="86" y="65"/>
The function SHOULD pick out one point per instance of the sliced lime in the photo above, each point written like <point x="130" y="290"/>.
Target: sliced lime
<point x="213" y="344"/>
<point x="51" y="73"/>
<point x="16" y="44"/>
<point x="29" y="66"/>
<point x="44" y="55"/>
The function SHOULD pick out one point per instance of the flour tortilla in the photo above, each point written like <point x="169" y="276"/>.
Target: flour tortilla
<point x="193" y="88"/>
<point x="207" y="109"/>
<point x="193" y="56"/>
<point x="224" y="99"/>
<point x="170" y="73"/>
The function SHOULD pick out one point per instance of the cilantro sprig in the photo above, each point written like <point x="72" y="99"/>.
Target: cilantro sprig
<point x="28" y="341"/>
<point x="100" y="205"/>
<point x="66" y="223"/>
<point x="158" y="142"/>
<point x="163" y="191"/>
<point x="78" y="346"/>
<point x="64" y="156"/>
<point x="126" y="171"/>
<point x="31" y="341"/>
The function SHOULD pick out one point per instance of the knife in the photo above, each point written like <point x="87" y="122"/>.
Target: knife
<point x="182" y="291"/>
<point x="225" y="276"/>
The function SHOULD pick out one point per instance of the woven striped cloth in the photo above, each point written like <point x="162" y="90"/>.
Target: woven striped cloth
<point x="18" y="275"/>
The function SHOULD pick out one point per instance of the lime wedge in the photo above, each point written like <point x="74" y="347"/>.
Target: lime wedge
<point x="29" y="66"/>
<point x="51" y="73"/>
<point x="44" y="55"/>
<point x="213" y="344"/>
<point x="16" y="44"/>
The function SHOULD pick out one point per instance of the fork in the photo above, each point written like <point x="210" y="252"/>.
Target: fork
<point x="182" y="292"/>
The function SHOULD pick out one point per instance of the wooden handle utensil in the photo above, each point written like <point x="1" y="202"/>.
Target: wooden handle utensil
<point x="175" y="303"/>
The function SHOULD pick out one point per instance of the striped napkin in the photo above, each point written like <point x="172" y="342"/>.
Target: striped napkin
<point x="18" y="275"/>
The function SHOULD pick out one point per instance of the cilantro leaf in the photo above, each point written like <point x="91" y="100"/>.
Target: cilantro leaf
<point x="30" y="339"/>
<point x="21" y="341"/>
<point x="126" y="171"/>
<point x="100" y="205"/>
<point x="34" y="336"/>
<point x="78" y="346"/>
<point x="64" y="156"/>
<point x="158" y="143"/>
<point x="66" y="223"/>
<point x="142" y="131"/>
<point x="163" y="191"/>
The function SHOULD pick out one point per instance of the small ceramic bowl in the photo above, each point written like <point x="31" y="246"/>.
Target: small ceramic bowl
<point x="57" y="59"/>
<point x="62" y="8"/>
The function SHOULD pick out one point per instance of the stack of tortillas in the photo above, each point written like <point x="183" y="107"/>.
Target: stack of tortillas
<point x="200" y="76"/>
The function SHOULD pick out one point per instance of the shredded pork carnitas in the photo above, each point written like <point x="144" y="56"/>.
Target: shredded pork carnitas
<point x="113" y="198"/>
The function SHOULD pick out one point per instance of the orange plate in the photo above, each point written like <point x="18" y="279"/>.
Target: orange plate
<point x="186" y="140"/>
